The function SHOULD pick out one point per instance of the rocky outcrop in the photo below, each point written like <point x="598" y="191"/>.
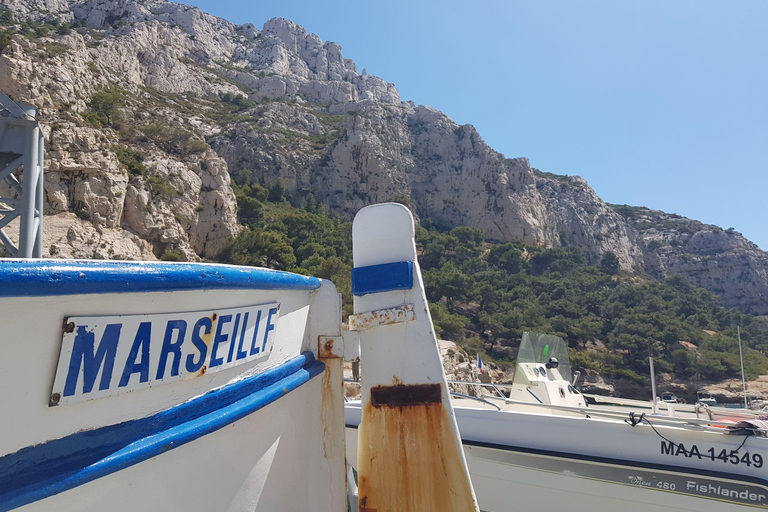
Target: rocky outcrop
<point x="281" y="103"/>
<point x="722" y="261"/>
<point x="132" y="215"/>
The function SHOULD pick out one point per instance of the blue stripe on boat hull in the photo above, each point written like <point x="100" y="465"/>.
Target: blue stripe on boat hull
<point x="26" y="278"/>
<point x="43" y="470"/>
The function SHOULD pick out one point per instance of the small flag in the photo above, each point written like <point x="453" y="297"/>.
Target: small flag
<point x="479" y="363"/>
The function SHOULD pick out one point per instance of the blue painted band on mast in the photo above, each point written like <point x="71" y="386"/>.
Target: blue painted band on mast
<point x="27" y="278"/>
<point x="386" y="277"/>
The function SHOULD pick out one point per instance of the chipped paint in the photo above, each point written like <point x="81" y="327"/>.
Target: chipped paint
<point x="422" y="469"/>
<point x="382" y="317"/>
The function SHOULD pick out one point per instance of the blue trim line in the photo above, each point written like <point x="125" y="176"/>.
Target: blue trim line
<point x="37" y="472"/>
<point x="382" y="278"/>
<point x="20" y="278"/>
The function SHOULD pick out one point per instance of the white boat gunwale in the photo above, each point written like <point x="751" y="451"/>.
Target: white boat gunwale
<point x="30" y="278"/>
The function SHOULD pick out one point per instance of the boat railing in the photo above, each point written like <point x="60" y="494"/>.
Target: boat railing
<point x="496" y="388"/>
<point x="477" y="399"/>
<point x="697" y="408"/>
<point x="655" y="419"/>
<point x="705" y="417"/>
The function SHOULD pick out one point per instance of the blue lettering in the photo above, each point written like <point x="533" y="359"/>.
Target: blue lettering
<point x="219" y="338"/>
<point x="175" y="348"/>
<point x="197" y="340"/>
<point x="254" y="348"/>
<point x="143" y="336"/>
<point x="270" y="326"/>
<point x="242" y="354"/>
<point x="84" y="353"/>
<point x="234" y="335"/>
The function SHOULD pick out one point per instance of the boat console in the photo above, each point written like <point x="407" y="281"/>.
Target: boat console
<point x="543" y="372"/>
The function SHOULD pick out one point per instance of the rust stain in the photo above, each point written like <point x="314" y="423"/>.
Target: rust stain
<point x="328" y="406"/>
<point x="69" y="326"/>
<point x="325" y="347"/>
<point x="402" y="395"/>
<point x="208" y="337"/>
<point x="408" y="459"/>
<point x="202" y="370"/>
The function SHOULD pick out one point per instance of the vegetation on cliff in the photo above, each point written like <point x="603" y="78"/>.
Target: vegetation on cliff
<point x="484" y="294"/>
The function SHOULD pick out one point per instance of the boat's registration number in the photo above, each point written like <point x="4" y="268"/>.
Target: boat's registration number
<point x="733" y="456"/>
<point x="106" y="355"/>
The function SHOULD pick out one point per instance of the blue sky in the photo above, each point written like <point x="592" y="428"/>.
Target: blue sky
<point x="655" y="103"/>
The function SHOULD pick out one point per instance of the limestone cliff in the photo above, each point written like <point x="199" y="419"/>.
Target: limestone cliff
<point x="204" y="100"/>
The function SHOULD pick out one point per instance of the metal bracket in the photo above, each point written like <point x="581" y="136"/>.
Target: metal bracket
<point x="381" y="317"/>
<point x="330" y="347"/>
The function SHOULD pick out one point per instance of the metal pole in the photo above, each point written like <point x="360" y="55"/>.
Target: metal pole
<point x="741" y="358"/>
<point x="22" y="144"/>
<point x="37" y="250"/>
<point x="27" y="229"/>
<point x="653" y="384"/>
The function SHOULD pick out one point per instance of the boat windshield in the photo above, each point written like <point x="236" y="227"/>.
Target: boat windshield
<point x="539" y="348"/>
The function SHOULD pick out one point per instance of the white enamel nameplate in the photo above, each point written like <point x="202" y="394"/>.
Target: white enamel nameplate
<point x="107" y="355"/>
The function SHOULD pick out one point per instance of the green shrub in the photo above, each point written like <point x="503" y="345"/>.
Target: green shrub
<point x="196" y="146"/>
<point x="609" y="263"/>
<point x="240" y="101"/>
<point x="5" y="38"/>
<point x="171" y="256"/>
<point x="260" y="249"/>
<point x="106" y="104"/>
<point x="6" y="16"/>
<point x="131" y="159"/>
<point x="91" y="118"/>
<point x="277" y="191"/>
<point x="160" y="186"/>
<point x="173" y="139"/>
<point x="53" y="49"/>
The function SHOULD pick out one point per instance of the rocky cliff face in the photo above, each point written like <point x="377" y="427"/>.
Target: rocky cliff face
<point x="280" y="103"/>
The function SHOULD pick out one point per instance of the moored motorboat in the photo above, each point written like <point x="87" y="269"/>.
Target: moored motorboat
<point x="539" y="442"/>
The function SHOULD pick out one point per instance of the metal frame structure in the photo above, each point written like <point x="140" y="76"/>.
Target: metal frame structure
<point x="22" y="145"/>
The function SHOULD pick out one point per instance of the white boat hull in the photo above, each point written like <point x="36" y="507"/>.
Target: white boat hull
<point x="554" y="482"/>
<point x="577" y="463"/>
<point x="243" y="436"/>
